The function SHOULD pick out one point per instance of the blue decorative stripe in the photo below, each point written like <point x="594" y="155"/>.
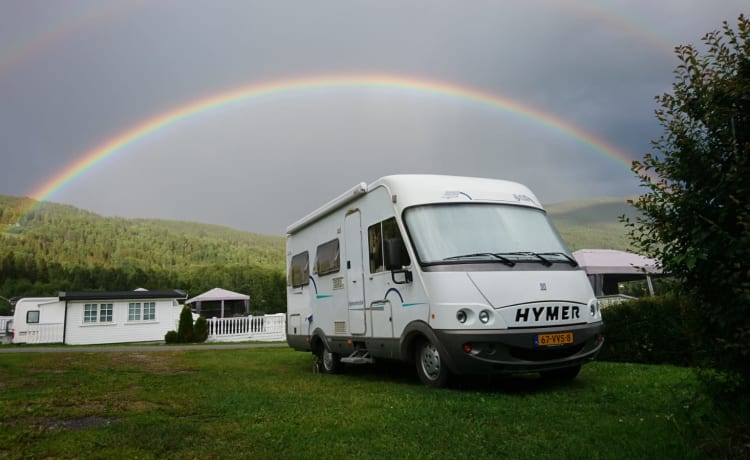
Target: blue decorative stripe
<point x="413" y="304"/>
<point x="322" y="296"/>
<point x="397" y="293"/>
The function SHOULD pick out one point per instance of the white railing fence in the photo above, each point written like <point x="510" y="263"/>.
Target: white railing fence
<point x="267" y="328"/>
<point x="4" y="324"/>
<point x="5" y="321"/>
<point x="608" y="300"/>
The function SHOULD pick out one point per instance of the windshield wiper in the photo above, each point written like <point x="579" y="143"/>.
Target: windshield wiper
<point x="544" y="261"/>
<point x="570" y="260"/>
<point x="499" y="257"/>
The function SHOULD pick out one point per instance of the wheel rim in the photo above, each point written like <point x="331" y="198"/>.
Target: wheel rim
<point x="430" y="360"/>
<point x="327" y="360"/>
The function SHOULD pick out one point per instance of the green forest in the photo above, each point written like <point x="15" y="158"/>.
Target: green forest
<point x="57" y="247"/>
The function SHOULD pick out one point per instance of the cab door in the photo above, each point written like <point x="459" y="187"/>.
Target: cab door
<point x="355" y="289"/>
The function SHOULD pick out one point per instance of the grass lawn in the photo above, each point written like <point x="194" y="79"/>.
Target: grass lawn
<point x="267" y="403"/>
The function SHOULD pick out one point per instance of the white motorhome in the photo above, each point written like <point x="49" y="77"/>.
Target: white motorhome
<point x="460" y="275"/>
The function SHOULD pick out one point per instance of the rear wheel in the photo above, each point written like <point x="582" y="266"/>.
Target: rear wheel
<point x="431" y="369"/>
<point x="562" y="375"/>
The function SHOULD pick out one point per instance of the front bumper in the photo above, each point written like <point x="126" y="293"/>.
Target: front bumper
<point x="510" y="351"/>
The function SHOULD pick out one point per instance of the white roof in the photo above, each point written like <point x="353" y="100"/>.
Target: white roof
<point x="218" y="294"/>
<point x="415" y="189"/>
<point x="610" y="261"/>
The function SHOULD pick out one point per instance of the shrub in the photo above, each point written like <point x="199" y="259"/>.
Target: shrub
<point x="200" y="332"/>
<point x="171" y="337"/>
<point x="185" y="327"/>
<point x="651" y="330"/>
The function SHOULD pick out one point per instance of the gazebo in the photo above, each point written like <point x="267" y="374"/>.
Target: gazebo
<point x="220" y="303"/>
<point x="606" y="268"/>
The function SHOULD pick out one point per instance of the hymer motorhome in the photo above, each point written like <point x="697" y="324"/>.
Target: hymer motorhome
<point x="458" y="275"/>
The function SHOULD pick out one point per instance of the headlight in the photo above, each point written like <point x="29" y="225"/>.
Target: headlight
<point x="484" y="316"/>
<point x="461" y="316"/>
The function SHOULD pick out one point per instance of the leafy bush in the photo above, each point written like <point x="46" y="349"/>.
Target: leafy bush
<point x="651" y="330"/>
<point x="695" y="215"/>
<point x="171" y="337"/>
<point x="185" y="328"/>
<point x="200" y="332"/>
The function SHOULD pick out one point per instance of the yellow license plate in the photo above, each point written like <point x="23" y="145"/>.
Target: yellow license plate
<point x="546" y="340"/>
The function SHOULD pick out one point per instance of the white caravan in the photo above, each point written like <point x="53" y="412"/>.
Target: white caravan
<point x="459" y="275"/>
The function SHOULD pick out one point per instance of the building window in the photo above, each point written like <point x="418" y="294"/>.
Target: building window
<point x="149" y="311"/>
<point x="105" y="313"/>
<point x="327" y="259"/>
<point x="134" y="312"/>
<point x="90" y="311"/>
<point x="299" y="272"/>
<point x="32" y="316"/>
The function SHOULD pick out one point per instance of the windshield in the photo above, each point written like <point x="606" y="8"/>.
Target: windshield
<point x="474" y="231"/>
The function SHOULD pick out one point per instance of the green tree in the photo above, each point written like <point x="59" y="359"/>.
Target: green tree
<point x="185" y="327"/>
<point x="696" y="211"/>
<point x="201" y="329"/>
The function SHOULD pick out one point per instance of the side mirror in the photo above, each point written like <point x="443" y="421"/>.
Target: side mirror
<point x="395" y="260"/>
<point x="401" y="276"/>
<point x="395" y="254"/>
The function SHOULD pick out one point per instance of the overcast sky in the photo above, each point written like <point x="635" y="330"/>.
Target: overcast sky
<point x="77" y="74"/>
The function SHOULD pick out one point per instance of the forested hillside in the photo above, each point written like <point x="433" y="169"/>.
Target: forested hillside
<point x="62" y="248"/>
<point x="592" y="224"/>
<point x="58" y="247"/>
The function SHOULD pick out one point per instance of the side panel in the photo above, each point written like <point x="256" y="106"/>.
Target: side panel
<point x="47" y="329"/>
<point x="354" y="273"/>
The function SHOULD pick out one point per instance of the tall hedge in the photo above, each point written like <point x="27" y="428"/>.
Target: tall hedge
<point x="652" y="330"/>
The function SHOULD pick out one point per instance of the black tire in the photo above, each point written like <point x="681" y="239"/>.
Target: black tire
<point x="330" y="363"/>
<point x="430" y="364"/>
<point x="562" y="375"/>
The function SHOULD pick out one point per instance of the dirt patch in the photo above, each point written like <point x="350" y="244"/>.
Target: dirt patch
<point x="155" y="363"/>
<point x="85" y="423"/>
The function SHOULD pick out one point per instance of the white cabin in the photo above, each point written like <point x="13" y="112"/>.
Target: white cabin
<point x="85" y="318"/>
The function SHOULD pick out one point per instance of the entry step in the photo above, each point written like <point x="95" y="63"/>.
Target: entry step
<point x="358" y="357"/>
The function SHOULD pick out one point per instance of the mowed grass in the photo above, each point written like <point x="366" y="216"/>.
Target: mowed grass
<point x="267" y="403"/>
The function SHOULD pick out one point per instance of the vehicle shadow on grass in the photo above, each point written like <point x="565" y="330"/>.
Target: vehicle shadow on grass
<point x="405" y="373"/>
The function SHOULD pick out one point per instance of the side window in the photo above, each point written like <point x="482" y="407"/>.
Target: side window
<point x="32" y="316"/>
<point x="375" y="238"/>
<point x="300" y="270"/>
<point x="327" y="258"/>
<point x="382" y="236"/>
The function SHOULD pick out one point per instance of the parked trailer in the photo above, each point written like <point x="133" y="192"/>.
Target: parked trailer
<point x="458" y="275"/>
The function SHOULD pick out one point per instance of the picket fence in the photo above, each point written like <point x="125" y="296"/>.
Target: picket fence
<point x="267" y="328"/>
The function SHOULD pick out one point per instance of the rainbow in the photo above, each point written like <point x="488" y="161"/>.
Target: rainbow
<point x="120" y="142"/>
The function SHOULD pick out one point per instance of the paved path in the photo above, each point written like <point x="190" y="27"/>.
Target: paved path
<point x="96" y="349"/>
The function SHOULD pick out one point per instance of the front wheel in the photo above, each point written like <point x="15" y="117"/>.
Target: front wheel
<point x="431" y="369"/>
<point x="330" y="363"/>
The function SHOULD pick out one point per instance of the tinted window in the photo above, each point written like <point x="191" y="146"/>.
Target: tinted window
<point x="327" y="258"/>
<point x="299" y="272"/>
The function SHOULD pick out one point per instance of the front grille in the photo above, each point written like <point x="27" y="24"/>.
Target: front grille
<point x="545" y="354"/>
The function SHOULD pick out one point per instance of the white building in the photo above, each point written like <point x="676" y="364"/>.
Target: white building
<point x="83" y="318"/>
